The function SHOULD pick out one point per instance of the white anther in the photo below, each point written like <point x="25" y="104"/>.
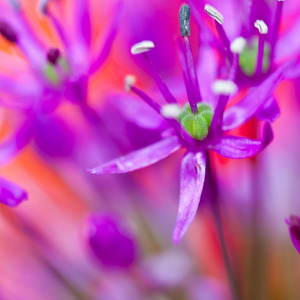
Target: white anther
<point x="214" y="13"/>
<point x="238" y="45"/>
<point x="129" y="81"/>
<point x="261" y="26"/>
<point x="141" y="47"/>
<point x="171" y="111"/>
<point x="224" y="87"/>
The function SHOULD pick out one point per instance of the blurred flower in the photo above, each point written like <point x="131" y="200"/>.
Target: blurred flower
<point x="294" y="226"/>
<point x="109" y="242"/>
<point x="53" y="75"/>
<point x="251" y="30"/>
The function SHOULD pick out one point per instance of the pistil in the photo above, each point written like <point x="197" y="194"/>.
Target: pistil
<point x="187" y="61"/>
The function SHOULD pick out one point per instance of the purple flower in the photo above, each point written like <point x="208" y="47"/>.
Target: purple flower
<point x="109" y="242"/>
<point x="198" y="126"/>
<point x="11" y="194"/>
<point x="52" y="74"/>
<point x="294" y="226"/>
<point x="251" y="29"/>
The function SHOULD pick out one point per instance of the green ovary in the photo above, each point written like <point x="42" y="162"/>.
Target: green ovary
<point x="197" y="125"/>
<point x="51" y="74"/>
<point x="248" y="57"/>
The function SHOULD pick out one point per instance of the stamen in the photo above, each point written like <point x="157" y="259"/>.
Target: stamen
<point x="8" y="33"/>
<point x="146" y="98"/>
<point x="159" y="82"/>
<point x="129" y="81"/>
<point x="142" y="47"/>
<point x="261" y="26"/>
<point x="263" y="29"/>
<point x="184" y="20"/>
<point x="53" y="55"/>
<point x="214" y="13"/>
<point x="238" y="45"/>
<point x="219" y="20"/>
<point x="224" y="87"/>
<point x="171" y="111"/>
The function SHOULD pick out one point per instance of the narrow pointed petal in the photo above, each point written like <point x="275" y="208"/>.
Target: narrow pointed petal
<point x="10" y="193"/>
<point x="191" y="185"/>
<point x="248" y="106"/>
<point x="83" y="20"/>
<point x="269" y="111"/>
<point x="239" y="147"/>
<point x="108" y="41"/>
<point x="140" y="158"/>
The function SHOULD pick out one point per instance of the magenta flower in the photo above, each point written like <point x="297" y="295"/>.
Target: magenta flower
<point x="109" y="242"/>
<point x="52" y="74"/>
<point x="198" y="126"/>
<point x="294" y="226"/>
<point x="251" y="29"/>
<point x="11" y="194"/>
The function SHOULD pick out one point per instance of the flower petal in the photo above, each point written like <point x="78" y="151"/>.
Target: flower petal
<point x="104" y="51"/>
<point x="83" y="20"/>
<point x="191" y="185"/>
<point x="269" y="111"/>
<point x="10" y="193"/>
<point x="239" y="147"/>
<point x="16" y="142"/>
<point x="294" y="226"/>
<point x="140" y="158"/>
<point x="248" y="106"/>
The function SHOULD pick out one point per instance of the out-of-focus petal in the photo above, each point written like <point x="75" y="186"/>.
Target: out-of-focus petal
<point x="207" y="70"/>
<point x="137" y="112"/>
<point x="10" y="193"/>
<point x="247" y="107"/>
<point x="110" y="243"/>
<point x="191" y="185"/>
<point x="15" y="143"/>
<point x="140" y="158"/>
<point x="108" y="41"/>
<point x="239" y="147"/>
<point x="53" y="137"/>
<point x="288" y="43"/>
<point x="294" y="226"/>
<point x="83" y="21"/>
<point x="269" y="111"/>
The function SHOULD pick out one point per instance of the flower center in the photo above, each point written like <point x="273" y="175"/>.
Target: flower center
<point x="248" y="58"/>
<point x="197" y="125"/>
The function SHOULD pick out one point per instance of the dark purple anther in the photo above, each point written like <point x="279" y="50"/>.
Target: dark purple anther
<point x="53" y="56"/>
<point x="7" y="32"/>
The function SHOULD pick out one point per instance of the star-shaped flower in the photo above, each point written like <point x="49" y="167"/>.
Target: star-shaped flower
<point x="199" y="126"/>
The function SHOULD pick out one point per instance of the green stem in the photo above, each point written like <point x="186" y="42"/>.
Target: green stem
<point x="218" y="219"/>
